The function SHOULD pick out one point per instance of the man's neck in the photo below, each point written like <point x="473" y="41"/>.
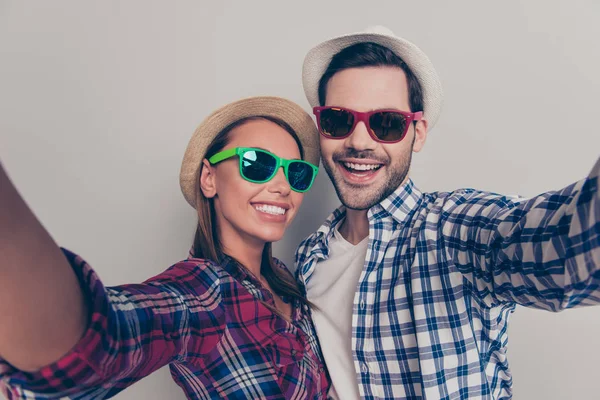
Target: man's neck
<point x="355" y="226"/>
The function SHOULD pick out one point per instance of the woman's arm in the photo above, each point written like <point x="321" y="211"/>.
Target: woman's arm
<point x="133" y="331"/>
<point x="42" y="310"/>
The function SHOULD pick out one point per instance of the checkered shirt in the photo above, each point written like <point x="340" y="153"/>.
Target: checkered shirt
<point x="442" y="275"/>
<point x="208" y="322"/>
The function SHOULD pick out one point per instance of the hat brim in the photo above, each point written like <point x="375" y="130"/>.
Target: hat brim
<point x="318" y="58"/>
<point x="287" y="111"/>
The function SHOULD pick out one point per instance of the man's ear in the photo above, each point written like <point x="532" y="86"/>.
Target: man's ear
<point x="208" y="180"/>
<point x="420" y="135"/>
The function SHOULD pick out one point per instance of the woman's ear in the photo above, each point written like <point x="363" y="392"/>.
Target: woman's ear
<point x="208" y="180"/>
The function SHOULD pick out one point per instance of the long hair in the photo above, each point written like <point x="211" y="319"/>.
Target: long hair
<point x="206" y="241"/>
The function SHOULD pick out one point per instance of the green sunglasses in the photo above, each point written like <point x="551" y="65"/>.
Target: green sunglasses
<point x="260" y="166"/>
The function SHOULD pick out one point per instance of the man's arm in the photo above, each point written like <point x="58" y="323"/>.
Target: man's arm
<point x="543" y="252"/>
<point x="42" y="311"/>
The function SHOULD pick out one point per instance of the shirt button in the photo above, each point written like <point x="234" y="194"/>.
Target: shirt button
<point x="362" y="304"/>
<point x="364" y="368"/>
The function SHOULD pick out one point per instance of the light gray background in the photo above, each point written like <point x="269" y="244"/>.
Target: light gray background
<point x="98" y="100"/>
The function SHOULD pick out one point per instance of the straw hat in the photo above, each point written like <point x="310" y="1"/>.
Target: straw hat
<point x="276" y="107"/>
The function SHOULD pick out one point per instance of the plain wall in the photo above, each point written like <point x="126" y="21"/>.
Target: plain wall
<point x="98" y="101"/>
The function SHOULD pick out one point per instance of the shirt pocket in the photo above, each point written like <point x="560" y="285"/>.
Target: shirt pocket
<point x="284" y="349"/>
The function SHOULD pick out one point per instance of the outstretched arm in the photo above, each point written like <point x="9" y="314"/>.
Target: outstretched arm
<point x="42" y="310"/>
<point x="542" y="252"/>
<point x="63" y="334"/>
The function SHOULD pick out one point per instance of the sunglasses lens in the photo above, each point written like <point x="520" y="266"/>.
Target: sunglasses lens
<point x="300" y="175"/>
<point x="388" y="126"/>
<point x="335" y="122"/>
<point x="258" y="166"/>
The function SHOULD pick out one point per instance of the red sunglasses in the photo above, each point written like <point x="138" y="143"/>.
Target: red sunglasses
<point x="385" y="126"/>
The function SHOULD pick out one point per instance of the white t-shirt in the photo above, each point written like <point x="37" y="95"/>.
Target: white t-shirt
<point x="332" y="288"/>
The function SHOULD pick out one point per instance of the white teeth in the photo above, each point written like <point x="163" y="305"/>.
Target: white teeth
<point x="361" y="167"/>
<point x="270" y="209"/>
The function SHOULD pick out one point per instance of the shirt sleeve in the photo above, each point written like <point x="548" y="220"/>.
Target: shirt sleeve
<point x="133" y="330"/>
<point x="542" y="252"/>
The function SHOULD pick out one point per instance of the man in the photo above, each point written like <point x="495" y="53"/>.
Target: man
<point x="422" y="284"/>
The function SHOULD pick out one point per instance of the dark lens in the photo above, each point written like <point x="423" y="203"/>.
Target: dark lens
<point x="300" y="175"/>
<point x="388" y="126"/>
<point x="335" y="122"/>
<point x="258" y="165"/>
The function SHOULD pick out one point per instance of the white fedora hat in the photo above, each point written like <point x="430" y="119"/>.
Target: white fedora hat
<point x="318" y="58"/>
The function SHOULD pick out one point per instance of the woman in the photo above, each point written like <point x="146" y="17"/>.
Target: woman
<point x="230" y="320"/>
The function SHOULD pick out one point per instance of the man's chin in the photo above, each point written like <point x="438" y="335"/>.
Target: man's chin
<point x="362" y="194"/>
<point x="356" y="198"/>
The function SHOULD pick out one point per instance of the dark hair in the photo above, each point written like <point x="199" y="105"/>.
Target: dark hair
<point x="206" y="241"/>
<point x="371" y="55"/>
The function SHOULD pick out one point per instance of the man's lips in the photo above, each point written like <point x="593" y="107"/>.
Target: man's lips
<point x="359" y="171"/>
<point x="361" y="166"/>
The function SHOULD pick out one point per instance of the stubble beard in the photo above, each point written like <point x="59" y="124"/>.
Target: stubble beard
<point x="363" y="197"/>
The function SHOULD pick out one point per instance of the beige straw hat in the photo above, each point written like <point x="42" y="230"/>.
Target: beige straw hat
<point x="318" y="58"/>
<point x="276" y="107"/>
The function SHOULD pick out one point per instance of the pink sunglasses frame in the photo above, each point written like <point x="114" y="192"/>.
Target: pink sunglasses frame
<point x="364" y="117"/>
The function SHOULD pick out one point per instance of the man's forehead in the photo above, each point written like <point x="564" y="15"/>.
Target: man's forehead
<point x="368" y="89"/>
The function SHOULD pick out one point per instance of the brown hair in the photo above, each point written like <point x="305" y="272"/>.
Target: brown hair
<point x="370" y="54"/>
<point x="206" y="241"/>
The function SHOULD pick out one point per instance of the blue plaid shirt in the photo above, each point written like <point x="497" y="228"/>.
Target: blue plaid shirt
<point x="443" y="273"/>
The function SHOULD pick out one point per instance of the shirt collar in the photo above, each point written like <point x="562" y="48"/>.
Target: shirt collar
<point x="332" y="222"/>
<point x="235" y="269"/>
<point x="400" y="205"/>
<point x="402" y="202"/>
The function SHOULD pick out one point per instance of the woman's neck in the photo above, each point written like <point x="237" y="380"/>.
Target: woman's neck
<point x="247" y="255"/>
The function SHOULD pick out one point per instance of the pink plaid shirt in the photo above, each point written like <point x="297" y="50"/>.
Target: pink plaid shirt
<point x="208" y="322"/>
